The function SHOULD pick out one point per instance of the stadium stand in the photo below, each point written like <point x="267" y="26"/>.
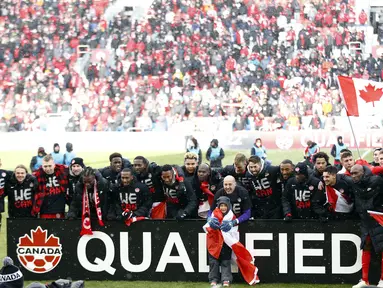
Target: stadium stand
<point x="266" y="62"/>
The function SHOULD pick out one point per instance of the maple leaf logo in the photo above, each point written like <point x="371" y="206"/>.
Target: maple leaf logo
<point x="39" y="253"/>
<point x="371" y="94"/>
<point x="39" y="238"/>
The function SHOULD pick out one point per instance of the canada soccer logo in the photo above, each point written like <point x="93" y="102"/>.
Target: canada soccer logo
<point x="39" y="253"/>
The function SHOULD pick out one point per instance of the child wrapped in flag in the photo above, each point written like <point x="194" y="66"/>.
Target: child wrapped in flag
<point x="223" y="246"/>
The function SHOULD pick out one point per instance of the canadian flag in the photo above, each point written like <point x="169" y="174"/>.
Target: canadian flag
<point x="339" y="202"/>
<point x="378" y="216"/>
<point x="241" y="256"/>
<point x="362" y="97"/>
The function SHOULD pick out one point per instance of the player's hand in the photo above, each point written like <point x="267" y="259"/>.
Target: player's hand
<point x="213" y="223"/>
<point x="181" y="215"/>
<point x="127" y="214"/>
<point x="227" y="225"/>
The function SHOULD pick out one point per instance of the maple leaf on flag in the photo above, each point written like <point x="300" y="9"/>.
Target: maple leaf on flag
<point x="372" y="94"/>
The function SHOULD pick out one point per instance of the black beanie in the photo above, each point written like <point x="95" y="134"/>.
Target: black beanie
<point x="77" y="160"/>
<point x="10" y="275"/>
<point x="55" y="145"/>
<point x="69" y="147"/>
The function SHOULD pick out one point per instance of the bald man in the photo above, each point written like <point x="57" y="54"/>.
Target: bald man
<point x="368" y="191"/>
<point x="239" y="199"/>
<point x="205" y="183"/>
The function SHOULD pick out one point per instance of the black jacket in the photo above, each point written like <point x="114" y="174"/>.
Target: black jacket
<point x="152" y="179"/>
<point x="188" y="176"/>
<point x="239" y="199"/>
<point x="179" y="196"/>
<point x="303" y="200"/>
<point x="73" y="180"/>
<point x="239" y="177"/>
<point x="266" y="193"/>
<point x="20" y="196"/>
<point x="135" y="197"/>
<point x="369" y="196"/>
<point x="214" y="184"/>
<point x="4" y="178"/>
<point x="75" y="209"/>
<point x="345" y="186"/>
<point x="110" y="175"/>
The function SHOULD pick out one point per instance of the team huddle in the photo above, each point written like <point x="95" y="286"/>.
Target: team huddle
<point x="125" y="191"/>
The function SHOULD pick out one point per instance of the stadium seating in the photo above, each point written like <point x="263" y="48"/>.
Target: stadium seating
<point x="267" y="62"/>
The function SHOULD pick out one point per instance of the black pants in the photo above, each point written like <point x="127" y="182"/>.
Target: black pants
<point x="214" y="265"/>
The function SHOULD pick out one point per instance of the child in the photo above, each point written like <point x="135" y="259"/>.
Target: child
<point x="224" y="259"/>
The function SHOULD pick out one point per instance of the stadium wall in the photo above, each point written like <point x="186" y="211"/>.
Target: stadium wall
<point x="297" y="252"/>
<point x="177" y="141"/>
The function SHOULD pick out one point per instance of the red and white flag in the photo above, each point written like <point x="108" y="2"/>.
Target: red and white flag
<point x="339" y="202"/>
<point x="362" y="97"/>
<point x="378" y="216"/>
<point x="240" y="255"/>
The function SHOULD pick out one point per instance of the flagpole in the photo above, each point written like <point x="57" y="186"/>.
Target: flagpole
<point x="353" y="134"/>
<point x="348" y="117"/>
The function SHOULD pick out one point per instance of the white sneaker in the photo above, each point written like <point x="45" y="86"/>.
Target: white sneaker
<point x="380" y="284"/>
<point x="361" y="284"/>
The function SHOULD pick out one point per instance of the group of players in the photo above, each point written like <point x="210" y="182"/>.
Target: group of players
<point x="312" y="189"/>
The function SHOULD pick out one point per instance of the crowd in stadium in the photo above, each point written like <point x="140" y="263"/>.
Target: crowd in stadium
<point x="261" y="61"/>
<point x="134" y="191"/>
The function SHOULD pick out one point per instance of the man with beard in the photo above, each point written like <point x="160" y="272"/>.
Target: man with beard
<point x="4" y="178"/>
<point x="51" y="193"/>
<point x="130" y="197"/>
<point x="181" y="201"/>
<point x="190" y="165"/>
<point x="237" y="170"/>
<point x="205" y="184"/>
<point x="239" y="199"/>
<point x="339" y="193"/>
<point x="336" y="149"/>
<point x="20" y="190"/>
<point x="286" y="171"/>
<point x="301" y="198"/>
<point x="76" y="168"/>
<point x="111" y="172"/>
<point x="368" y="196"/>
<point x="321" y="161"/>
<point x="265" y="191"/>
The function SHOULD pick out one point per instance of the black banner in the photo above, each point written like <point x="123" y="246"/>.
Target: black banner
<point x="297" y="252"/>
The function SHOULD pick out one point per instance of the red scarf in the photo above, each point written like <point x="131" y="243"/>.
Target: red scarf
<point x="86" y="224"/>
<point x="205" y="189"/>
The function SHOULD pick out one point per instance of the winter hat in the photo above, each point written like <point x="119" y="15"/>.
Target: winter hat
<point x="224" y="200"/>
<point x="301" y="168"/>
<point x="77" y="160"/>
<point x="69" y="147"/>
<point x="56" y="145"/>
<point x="10" y="275"/>
<point x="41" y="150"/>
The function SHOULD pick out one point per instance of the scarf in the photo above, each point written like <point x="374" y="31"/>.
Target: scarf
<point x="86" y="224"/>
<point x="204" y="206"/>
<point x="243" y="258"/>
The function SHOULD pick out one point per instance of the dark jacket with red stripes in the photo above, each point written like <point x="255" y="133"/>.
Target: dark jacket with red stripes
<point x="20" y="196"/>
<point x="51" y="200"/>
<point x="75" y="209"/>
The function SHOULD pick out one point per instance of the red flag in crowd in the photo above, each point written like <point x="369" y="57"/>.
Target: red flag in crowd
<point x="361" y="97"/>
<point x="378" y="216"/>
